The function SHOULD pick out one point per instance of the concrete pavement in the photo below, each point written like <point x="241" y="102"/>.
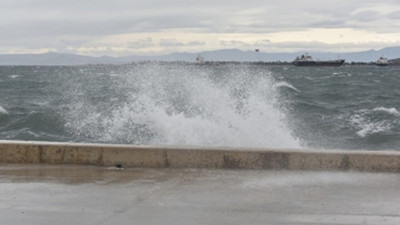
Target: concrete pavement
<point x="91" y="195"/>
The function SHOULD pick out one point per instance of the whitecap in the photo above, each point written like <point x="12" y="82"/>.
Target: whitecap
<point x="367" y="127"/>
<point x="285" y="84"/>
<point x="392" y="111"/>
<point x="3" y="110"/>
<point x="341" y="74"/>
<point x="372" y="128"/>
<point x="13" y="76"/>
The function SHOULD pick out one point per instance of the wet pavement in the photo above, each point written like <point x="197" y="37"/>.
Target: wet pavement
<point x="65" y="194"/>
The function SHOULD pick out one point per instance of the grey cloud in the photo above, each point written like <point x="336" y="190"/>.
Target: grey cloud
<point x="330" y="23"/>
<point x="142" y="43"/>
<point x="55" y="28"/>
<point x="195" y="43"/>
<point x="366" y="16"/>
<point x="170" y="43"/>
<point x="176" y="43"/>
<point x="317" y="46"/>
<point x="73" y="42"/>
<point x="46" y="22"/>
<point x="232" y="43"/>
<point x="119" y="16"/>
<point x="394" y="15"/>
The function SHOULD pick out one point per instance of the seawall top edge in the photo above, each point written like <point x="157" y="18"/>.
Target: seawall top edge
<point x="202" y="148"/>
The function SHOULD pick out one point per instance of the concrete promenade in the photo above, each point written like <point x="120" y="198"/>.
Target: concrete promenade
<point x="65" y="183"/>
<point x="37" y="194"/>
<point x="196" y="157"/>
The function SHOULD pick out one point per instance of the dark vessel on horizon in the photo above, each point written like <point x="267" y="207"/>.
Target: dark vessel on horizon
<point x="306" y="60"/>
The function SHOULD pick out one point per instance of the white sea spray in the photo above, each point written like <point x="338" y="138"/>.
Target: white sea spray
<point x="189" y="105"/>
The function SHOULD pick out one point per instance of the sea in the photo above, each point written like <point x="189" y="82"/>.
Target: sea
<point x="212" y="104"/>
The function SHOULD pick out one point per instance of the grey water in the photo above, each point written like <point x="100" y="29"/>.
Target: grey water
<point x="229" y="104"/>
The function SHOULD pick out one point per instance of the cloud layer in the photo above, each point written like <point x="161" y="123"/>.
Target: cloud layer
<point x="123" y="27"/>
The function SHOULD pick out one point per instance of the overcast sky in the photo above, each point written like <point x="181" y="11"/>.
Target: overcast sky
<point x="149" y="27"/>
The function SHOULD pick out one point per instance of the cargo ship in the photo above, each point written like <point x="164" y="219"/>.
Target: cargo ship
<point x="306" y="60"/>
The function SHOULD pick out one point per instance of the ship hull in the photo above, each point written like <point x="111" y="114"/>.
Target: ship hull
<point x="319" y="63"/>
<point x="382" y="64"/>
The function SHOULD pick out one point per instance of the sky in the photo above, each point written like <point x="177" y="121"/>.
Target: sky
<point x="154" y="27"/>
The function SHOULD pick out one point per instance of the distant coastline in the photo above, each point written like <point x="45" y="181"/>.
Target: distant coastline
<point x="273" y="63"/>
<point x="221" y="56"/>
<point x="205" y="63"/>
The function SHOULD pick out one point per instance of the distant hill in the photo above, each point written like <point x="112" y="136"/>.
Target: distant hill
<point x="395" y="61"/>
<point x="52" y="59"/>
<point x="218" y="55"/>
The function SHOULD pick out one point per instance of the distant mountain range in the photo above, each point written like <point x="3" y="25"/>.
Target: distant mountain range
<point x="218" y="55"/>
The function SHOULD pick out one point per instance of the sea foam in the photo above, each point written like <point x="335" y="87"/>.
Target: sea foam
<point x="189" y="105"/>
<point x="372" y="121"/>
<point x="3" y="111"/>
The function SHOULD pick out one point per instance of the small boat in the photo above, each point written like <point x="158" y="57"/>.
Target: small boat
<point x="200" y="59"/>
<point x="382" y="61"/>
<point x="306" y="60"/>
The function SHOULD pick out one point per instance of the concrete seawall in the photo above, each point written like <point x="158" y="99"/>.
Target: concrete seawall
<point x="197" y="157"/>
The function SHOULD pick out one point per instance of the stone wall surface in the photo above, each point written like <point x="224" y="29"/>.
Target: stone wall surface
<point x="197" y="157"/>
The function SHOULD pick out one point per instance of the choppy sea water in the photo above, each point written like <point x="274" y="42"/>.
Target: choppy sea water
<point x="254" y="105"/>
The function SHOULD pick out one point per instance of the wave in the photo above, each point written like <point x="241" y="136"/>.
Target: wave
<point x="372" y="121"/>
<point x="285" y="85"/>
<point x="3" y="111"/>
<point x="186" y="105"/>
<point x="14" y="76"/>
<point x="22" y="134"/>
<point x="391" y="111"/>
<point x="341" y="74"/>
<point x="373" y="128"/>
